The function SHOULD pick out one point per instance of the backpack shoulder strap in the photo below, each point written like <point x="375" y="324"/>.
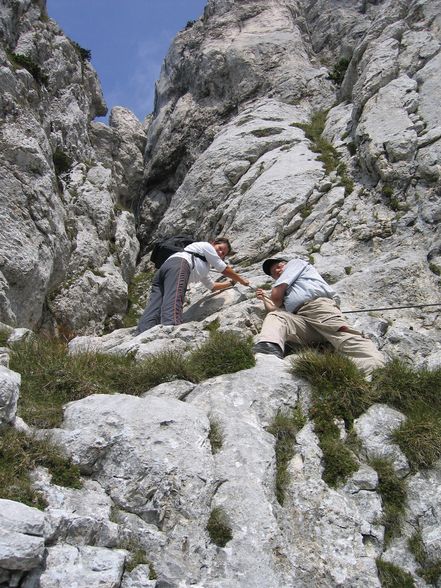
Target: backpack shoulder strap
<point x="199" y="255"/>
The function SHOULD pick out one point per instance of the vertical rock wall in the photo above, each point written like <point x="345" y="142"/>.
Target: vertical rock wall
<point x="65" y="241"/>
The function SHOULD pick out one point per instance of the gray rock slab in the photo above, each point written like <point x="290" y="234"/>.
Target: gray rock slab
<point x="374" y="430"/>
<point x="9" y="393"/>
<point x="19" y="551"/>
<point x="83" y="567"/>
<point x="76" y="516"/>
<point x="21" y="518"/>
<point x="139" y="449"/>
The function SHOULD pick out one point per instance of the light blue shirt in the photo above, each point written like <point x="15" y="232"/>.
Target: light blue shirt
<point x="304" y="284"/>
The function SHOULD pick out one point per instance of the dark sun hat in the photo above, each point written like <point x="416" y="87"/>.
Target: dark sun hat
<point x="268" y="263"/>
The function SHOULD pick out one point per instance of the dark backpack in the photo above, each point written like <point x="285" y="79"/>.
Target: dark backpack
<point x="163" y="248"/>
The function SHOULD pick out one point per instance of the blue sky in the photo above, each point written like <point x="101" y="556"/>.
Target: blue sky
<point x="128" y="40"/>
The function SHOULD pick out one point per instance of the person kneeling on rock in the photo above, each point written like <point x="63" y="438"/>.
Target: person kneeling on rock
<point x="310" y="315"/>
<point x="170" y="282"/>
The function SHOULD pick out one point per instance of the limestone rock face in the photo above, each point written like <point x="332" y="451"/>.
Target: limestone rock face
<point x="236" y="53"/>
<point x="61" y="188"/>
<point x="248" y="79"/>
<point x="21" y="540"/>
<point x="306" y="128"/>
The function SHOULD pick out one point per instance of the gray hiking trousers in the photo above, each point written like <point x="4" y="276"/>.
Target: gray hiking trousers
<point x="167" y="295"/>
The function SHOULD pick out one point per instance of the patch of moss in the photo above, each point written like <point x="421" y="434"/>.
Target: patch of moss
<point x="339" y="70"/>
<point x="218" y="527"/>
<point x="328" y="155"/>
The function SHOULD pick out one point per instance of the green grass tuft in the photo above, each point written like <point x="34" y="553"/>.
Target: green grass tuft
<point x="218" y="527"/>
<point x="19" y="455"/>
<point x="224" y="352"/>
<point x="285" y="427"/>
<point x="392" y="490"/>
<point x="416" y="393"/>
<point x="213" y="325"/>
<point x="51" y="377"/>
<point x="391" y="576"/>
<point x="137" y="556"/>
<point x="339" y="391"/>
<point x="429" y="570"/>
<point x="4" y="336"/>
<point x="339" y="461"/>
<point x="337" y="383"/>
<point x="408" y="389"/>
<point x="419" y="437"/>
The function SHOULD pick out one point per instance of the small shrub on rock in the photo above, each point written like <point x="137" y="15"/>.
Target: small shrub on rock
<point x="338" y="71"/>
<point x="218" y="527"/>
<point x="85" y="54"/>
<point x="62" y="162"/>
<point x="215" y="436"/>
<point x="19" y="60"/>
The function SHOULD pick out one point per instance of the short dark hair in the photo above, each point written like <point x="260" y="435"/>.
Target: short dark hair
<point x="268" y="264"/>
<point x="223" y="240"/>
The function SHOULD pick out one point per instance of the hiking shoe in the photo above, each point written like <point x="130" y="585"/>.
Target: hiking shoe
<point x="269" y="349"/>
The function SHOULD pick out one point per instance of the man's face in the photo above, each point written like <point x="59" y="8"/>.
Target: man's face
<point x="276" y="269"/>
<point x="221" y="249"/>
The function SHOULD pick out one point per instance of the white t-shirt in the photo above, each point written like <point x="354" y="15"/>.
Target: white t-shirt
<point x="304" y="284"/>
<point x="200" y="270"/>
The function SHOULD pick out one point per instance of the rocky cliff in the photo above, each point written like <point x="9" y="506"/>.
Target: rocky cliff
<point x="302" y="127"/>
